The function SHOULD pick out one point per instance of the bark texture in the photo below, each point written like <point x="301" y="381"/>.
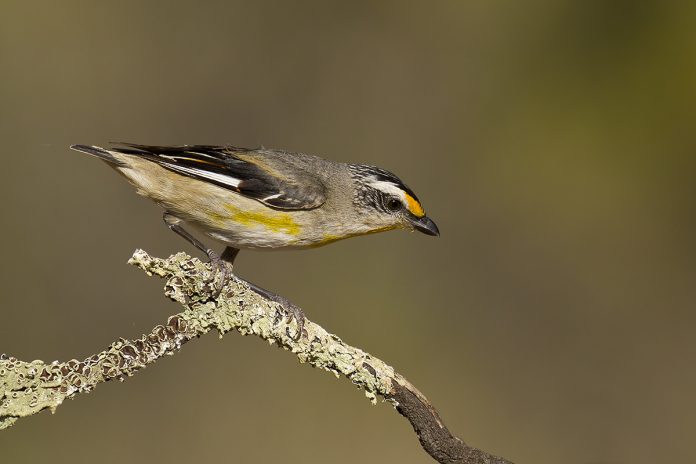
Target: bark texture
<point x="27" y="388"/>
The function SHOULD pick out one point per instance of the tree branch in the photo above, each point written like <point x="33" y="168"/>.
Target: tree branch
<point x="27" y="388"/>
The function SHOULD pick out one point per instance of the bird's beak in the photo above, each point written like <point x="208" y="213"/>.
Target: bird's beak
<point x="425" y="225"/>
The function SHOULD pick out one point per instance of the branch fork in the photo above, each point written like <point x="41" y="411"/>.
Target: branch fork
<point x="27" y="388"/>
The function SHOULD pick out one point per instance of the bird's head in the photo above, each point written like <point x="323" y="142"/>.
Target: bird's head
<point x="384" y="202"/>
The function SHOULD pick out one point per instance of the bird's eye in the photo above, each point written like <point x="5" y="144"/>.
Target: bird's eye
<point x="393" y="204"/>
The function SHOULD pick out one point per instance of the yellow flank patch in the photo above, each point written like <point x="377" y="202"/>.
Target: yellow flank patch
<point x="414" y="207"/>
<point x="274" y="221"/>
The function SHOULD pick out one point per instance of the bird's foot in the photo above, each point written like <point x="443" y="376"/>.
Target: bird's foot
<point x="220" y="272"/>
<point x="292" y="311"/>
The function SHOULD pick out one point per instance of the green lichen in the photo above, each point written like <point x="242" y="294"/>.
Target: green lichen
<point x="28" y="388"/>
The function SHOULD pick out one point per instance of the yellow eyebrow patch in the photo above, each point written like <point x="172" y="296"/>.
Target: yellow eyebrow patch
<point x="414" y="206"/>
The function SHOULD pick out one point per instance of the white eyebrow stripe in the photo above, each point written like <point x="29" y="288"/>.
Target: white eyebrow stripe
<point x="388" y="187"/>
<point x="214" y="176"/>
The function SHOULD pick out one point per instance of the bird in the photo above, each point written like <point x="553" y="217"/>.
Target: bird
<point x="264" y="199"/>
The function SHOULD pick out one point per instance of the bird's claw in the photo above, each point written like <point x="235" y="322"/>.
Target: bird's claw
<point x="219" y="267"/>
<point x="292" y="311"/>
<point x="288" y="307"/>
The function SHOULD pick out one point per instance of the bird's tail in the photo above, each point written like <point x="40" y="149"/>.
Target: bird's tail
<point x="99" y="152"/>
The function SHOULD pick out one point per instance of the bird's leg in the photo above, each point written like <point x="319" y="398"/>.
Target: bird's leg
<point x="174" y="224"/>
<point x="229" y="255"/>
<point x="291" y="310"/>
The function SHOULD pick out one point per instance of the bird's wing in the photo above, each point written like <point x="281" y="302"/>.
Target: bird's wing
<point x="248" y="172"/>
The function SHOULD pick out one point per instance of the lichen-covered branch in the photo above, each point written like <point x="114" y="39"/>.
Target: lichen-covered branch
<point x="27" y="388"/>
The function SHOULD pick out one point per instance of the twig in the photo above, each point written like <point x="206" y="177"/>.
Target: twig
<point x="27" y="388"/>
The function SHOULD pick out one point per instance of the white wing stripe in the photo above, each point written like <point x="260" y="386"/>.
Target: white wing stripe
<point x="201" y="154"/>
<point x="214" y="176"/>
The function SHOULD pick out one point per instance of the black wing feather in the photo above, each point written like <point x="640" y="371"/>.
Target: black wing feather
<point x="220" y="166"/>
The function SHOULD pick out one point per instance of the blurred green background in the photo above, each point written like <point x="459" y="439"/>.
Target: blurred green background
<point x="552" y="141"/>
